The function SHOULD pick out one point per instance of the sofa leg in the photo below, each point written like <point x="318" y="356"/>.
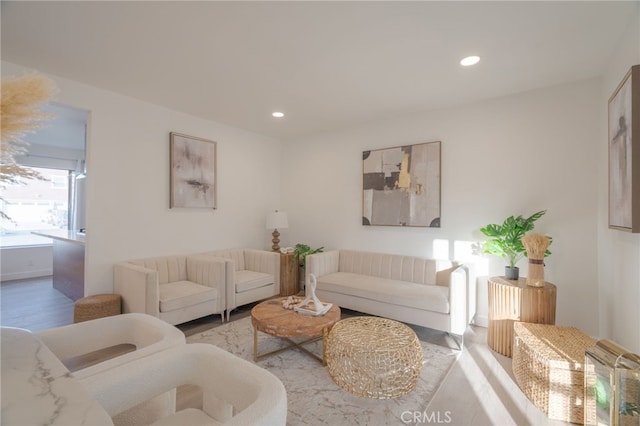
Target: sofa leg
<point x="228" y="314"/>
<point x="459" y="339"/>
<point x="222" y="316"/>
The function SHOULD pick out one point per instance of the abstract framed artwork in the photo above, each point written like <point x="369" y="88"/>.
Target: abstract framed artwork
<point x="624" y="154"/>
<point x="401" y="186"/>
<point x="193" y="172"/>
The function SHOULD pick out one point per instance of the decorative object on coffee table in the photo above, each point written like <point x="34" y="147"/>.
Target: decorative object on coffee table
<point x="311" y="305"/>
<point x="374" y="357"/>
<point x="536" y="246"/>
<point x="511" y="301"/>
<point x="548" y="365"/>
<point x="272" y="318"/>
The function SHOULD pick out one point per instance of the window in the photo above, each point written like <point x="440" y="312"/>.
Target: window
<point x="35" y="205"/>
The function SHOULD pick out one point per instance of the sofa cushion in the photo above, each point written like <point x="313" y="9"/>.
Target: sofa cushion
<point x="248" y="280"/>
<point x="402" y="293"/>
<point x="183" y="294"/>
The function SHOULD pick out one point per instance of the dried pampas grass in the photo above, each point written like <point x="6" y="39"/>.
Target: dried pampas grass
<point x="20" y="100"/>
<point x="536" y="247"/>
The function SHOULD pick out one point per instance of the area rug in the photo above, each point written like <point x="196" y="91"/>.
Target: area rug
<point x="312" y="397"/>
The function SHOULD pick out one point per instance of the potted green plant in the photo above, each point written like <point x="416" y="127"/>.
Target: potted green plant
<point x="301" y="251"/>
<point x="506" y="241"/>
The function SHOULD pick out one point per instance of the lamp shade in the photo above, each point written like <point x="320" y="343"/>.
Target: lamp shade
<point x="277" y="220"/>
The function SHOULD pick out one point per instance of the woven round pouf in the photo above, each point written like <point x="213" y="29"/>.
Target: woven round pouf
<point x="374" y="357"/>
<point x="96" y="306"/>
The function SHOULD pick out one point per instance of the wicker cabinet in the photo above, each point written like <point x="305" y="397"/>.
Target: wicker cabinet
<point x="511" y="301"/>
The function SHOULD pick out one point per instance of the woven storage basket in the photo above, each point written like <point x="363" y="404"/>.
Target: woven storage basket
<point x="548" y="364"/>
<point x="374" y="357"/>
<point x="96" y="306"/>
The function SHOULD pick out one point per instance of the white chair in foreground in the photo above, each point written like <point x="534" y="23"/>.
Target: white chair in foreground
<point x="235" y="391"/>
<point x="148" y="334"/>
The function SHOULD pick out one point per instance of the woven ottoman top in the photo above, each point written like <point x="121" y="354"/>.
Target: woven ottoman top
<point x="374" y="334"/>
<point x="560" y="347"/>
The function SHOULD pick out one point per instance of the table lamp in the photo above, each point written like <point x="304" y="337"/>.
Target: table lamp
<point x="277" y="220"/>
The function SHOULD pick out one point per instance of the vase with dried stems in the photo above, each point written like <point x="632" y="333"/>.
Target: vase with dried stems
<point x="20" y="101"/>
<point x="536" y="246"/>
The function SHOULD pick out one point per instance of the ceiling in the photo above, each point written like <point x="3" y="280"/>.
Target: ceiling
<point x="326" y="65"/>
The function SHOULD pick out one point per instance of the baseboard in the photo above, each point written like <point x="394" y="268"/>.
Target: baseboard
<point x="26" y="274"/>
<point x="481" y="320"/>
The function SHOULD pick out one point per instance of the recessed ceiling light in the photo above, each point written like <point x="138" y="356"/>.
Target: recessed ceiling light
<point x="277" y="114"/>
<point x="470" y="60"/>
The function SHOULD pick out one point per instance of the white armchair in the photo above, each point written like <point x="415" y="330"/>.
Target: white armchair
<point x="145" y="333"/>
<point x="251" y="275"/>
<point x="234" y="391"/>
<point x="175" y="289"/>
<point x="76" y="345"/>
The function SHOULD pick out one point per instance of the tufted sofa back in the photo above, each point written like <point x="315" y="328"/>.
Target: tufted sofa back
<point x="396" y="267"/>
<point x="170" y="268"/>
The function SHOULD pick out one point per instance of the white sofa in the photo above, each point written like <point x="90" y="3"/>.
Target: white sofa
<point x="425" y="292"/>
<point x="251" y="275"/>
<point x="175" y="289"/>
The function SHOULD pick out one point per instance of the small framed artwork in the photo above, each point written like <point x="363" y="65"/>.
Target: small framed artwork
<point x="624" y="154"/>
<point x="401" y="186"/>
<point x="193" y="172"/>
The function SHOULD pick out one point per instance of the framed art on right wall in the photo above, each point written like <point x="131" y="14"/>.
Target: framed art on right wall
<point x="624" y="154"/>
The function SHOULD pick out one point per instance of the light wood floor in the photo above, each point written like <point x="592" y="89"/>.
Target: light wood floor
<point x="479" y="389"/>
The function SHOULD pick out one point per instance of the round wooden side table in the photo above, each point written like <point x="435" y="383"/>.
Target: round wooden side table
<point x="511" y="301"/>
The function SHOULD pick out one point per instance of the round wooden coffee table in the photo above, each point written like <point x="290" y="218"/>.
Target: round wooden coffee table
<point x="271" y="318"/>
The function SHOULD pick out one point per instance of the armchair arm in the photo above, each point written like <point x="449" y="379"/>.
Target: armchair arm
<point x="322" y="263"/>
<point x="138" y="287"/>
<point x="235" y="391"/>
<point x="148" y="334"/>
<point x="208" y="271"/>
<point x="459" y="299"/>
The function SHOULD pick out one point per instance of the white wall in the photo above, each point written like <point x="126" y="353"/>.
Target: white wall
<point x="128" y="212"/>
<point x="618" y="251"/>
<point x="25" y="262"/>
<point x="514" y="155"/>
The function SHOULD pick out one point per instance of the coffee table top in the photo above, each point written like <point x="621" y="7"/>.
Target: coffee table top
<point x="271" y="318"/>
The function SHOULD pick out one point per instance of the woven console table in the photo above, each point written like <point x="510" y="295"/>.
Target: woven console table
<point x="548" y="365"/>
<point x="511" y="301"/>
<point x="374" y="357"/>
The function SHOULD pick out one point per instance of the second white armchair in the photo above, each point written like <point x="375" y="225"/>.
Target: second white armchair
<point x="251" y="275"/>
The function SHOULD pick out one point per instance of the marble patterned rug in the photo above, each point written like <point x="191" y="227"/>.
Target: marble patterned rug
<point x="312" y="397"/>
